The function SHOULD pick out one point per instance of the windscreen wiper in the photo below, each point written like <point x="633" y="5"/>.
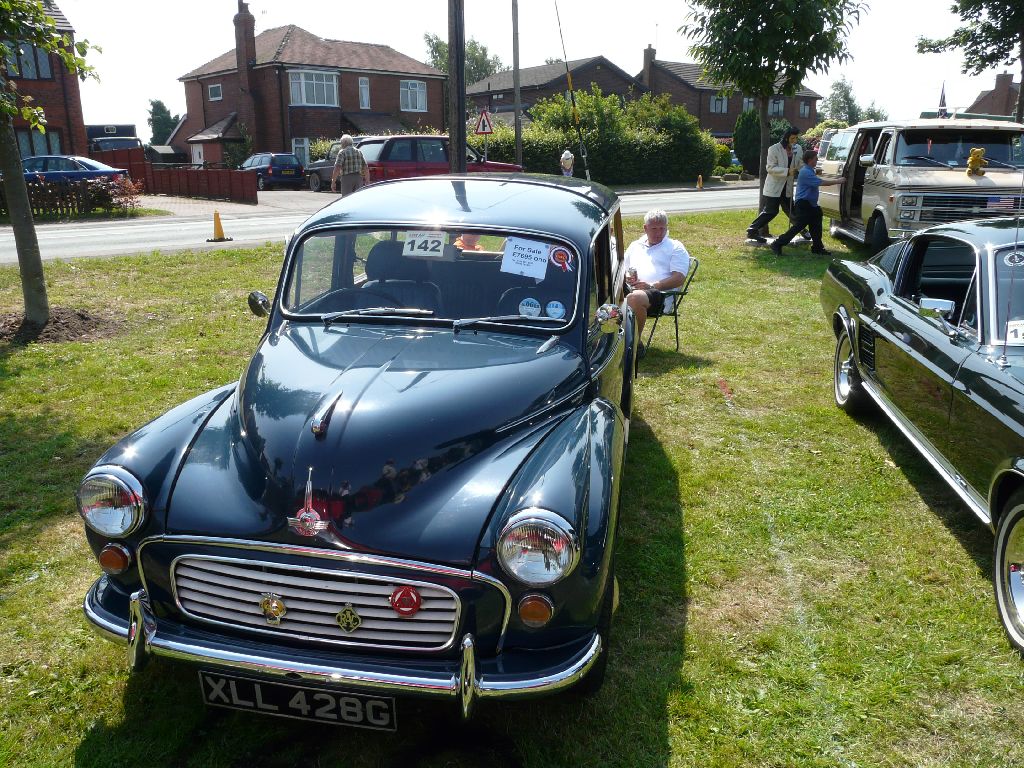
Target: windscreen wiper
<point x="375" y="312"/>
<point x="924" y="157"/>
<point x="1001" y="163"/>
<point x="470" y="322"/>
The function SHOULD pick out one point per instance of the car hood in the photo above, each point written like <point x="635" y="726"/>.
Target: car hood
<point x="417" y="434"/>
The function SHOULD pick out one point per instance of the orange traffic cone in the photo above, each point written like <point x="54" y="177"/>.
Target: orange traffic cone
<point x="218" y="230"/>
<point x="700" y="181"/>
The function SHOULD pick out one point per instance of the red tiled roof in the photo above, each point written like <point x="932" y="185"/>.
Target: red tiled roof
<point x="294" y="45"/>
<point x="61" y="21"/>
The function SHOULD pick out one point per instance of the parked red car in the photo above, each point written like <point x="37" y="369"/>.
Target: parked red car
<point x="398" y="157"/>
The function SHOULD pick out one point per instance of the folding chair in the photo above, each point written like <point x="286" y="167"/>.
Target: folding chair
<point x="675" y="295"/>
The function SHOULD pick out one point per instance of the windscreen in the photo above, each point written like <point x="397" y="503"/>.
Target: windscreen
<point x="951" y="148"/>
<point x="436" y="274"/>
<point x="1009" y="272"/>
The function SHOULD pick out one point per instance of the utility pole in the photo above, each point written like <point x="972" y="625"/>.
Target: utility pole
<point x="515" y="83"/>
<point x="456" y="87"/>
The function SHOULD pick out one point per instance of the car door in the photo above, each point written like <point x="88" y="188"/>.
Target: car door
<point x="398" y="159"/>
<point x="879" y="182"/>
<point x="431" y="156"/>
<point x="833" y="166"/>
<point x="34" y="167"/>
<point x="916" y="359"/>
<point x="606" y="350"/>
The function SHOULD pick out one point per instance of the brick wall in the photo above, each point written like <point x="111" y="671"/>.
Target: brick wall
<point x="61" y="101"/>
<point x="1001" y="100"/>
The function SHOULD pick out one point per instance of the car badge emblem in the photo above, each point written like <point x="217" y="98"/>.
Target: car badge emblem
<point x="348" y="619"/>
<point x="273" y="608"/>
<point x="307" y="521"/>
<point x="406" y="601"/>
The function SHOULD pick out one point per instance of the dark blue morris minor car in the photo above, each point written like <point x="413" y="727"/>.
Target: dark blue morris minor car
<point x="931" y="331"/>
<point x="413" y="487"/>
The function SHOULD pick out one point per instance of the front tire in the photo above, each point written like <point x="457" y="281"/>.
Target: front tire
<point x="846" y="384"/>
<point x="1008" y="569"/>
<point x="315" y="184"/>
<point x="260" y="184"/>
<point x="878" y="235"/>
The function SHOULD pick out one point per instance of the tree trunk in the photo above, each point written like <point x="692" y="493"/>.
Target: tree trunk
<point x="1020" y="91"/>
<point x="33" y="284"/>
<point x="766" y="134"/>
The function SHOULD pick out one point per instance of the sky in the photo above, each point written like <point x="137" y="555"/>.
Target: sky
<point x="144" y="53"/>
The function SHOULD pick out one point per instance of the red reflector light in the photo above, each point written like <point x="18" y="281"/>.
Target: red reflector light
<point x="114" y="559"/>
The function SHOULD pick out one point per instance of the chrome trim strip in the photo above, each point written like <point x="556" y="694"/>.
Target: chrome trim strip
<point x="283" y="633"/>
<point x="548" y="411"/>
<point x="945" y="470"/>
<point x="438" y="684"/>
<point x="500" y="586"/>
<point x="467" y="676"/>
<point x="116" y="632"/>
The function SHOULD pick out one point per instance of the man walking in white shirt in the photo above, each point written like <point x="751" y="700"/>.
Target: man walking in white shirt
<point x="661" y="264"/>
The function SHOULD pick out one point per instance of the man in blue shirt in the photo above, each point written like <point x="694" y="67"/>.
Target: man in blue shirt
<point x="806" y="211"/>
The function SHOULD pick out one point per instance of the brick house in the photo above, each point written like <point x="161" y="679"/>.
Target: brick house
<point x="44" y="77"/>
<point x="496" y="93"/>
<point x="1001" y="100"/>
<point x="686" y="85"/>
<point x="287" y="86"/>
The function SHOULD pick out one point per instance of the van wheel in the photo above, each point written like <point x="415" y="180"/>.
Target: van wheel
<point x="314" y="182"/>
<point x="878" y="235"/>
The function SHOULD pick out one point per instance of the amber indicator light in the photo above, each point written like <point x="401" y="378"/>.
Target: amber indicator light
<point x="535" y="610"/>
<point x="114" y="559"/>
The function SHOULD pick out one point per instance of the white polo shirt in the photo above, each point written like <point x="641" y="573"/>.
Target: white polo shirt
<point x="653" y="263"/>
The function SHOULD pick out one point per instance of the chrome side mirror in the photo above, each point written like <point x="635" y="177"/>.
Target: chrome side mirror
<point x="866" y="161"/>
<point x="259" y="304"/>
<point x="938" y="309"/>
<point x="609" y="317"/>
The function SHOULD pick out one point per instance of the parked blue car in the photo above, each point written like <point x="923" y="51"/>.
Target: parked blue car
<point x="413" y="488"/>
<point x="68" y="168"/>
<point x="275" y="169"/>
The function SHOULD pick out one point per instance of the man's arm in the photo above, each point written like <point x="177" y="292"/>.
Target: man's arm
<point x="778" y="162"/>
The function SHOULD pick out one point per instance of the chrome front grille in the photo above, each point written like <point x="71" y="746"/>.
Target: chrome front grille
<point x="230" y="591"/>
<point x="947" y="207"/>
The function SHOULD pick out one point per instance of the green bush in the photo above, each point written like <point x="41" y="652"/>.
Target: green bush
<point x="648" y="140"/>
<point x="723" y="154"/>
<point x="718" y="171"/>
<point x="319" y="148"/>
<point x="746" y="139"/>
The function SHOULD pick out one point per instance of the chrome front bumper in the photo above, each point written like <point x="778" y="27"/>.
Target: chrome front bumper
<point x="464" y="680"/>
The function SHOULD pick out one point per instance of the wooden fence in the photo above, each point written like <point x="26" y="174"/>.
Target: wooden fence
<point x="214" y="183"/>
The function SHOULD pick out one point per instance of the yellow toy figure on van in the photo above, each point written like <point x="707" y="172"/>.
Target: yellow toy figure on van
<point x="976" y="161"/>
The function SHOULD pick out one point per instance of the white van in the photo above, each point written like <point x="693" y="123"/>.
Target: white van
<point x="902" y="176"/>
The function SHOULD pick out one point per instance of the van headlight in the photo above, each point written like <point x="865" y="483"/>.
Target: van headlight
<point x="910" y="201"/>
<point x="111" y="501"/>
<point x="538" y="547"/>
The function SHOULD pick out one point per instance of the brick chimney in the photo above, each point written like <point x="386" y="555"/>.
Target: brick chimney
<point x="1003" y="94"/>
<point x="245" y="57"/>
<point x="645" y="78"/>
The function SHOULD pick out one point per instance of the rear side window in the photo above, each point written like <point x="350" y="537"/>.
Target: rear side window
<point x="432" y="151"/>
<point x="839" y="148"/>
<point x="371" y="150"/>
<point x="401" y="151"/>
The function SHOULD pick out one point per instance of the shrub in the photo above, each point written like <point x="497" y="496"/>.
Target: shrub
<point x="723" y="154"/>
<point x="746" y="139"/>
<point x="320" y="148"/>
<point x="124" y="193"/>
<point x="718" y="171"/>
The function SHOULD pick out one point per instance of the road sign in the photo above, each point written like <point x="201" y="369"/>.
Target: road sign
<point x="483" y="124"/>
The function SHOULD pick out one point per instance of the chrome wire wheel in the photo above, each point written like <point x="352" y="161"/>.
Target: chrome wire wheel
<point x="1008" y="564"/>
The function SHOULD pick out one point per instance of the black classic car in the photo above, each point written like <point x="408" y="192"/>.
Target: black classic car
<point x="413" y="487"/>
<point x="931" y="331"/>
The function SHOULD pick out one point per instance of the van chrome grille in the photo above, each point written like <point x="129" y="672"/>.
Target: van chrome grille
<point x="229" y="592"/>
<point x="946" y="207"/>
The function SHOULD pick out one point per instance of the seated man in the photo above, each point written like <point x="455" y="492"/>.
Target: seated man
<point x="661" y="264"/>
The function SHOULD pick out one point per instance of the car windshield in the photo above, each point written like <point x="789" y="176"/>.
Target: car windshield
<point x="1009" y="272"/>
<point x="434" y="276"/>
<point x="952" y="148"/>
<point x="93" y="165"/>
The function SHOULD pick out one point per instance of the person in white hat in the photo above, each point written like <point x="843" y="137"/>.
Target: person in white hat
<point x="566" y="162"/>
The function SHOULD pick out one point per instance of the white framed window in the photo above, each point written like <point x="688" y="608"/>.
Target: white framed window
<point x="805" y="109"/>
<point x="775" y="106"/>
<point x="364" y="93"/>
<point x="300" y="148"/>
<point x="314" y="89"/>
<point x="214" y="92"/>
<point x="719" y="104"/>
<point x="413" y="95"/>
<point x="748" y="103"/>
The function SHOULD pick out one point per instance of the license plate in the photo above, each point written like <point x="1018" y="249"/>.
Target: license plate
<point x="299" y="702"/>
<point x="287" y="173"/>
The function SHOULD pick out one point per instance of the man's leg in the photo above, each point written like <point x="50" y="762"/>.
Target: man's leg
<point x="815" y="226"/>
<point x="638" y="302"/>
<point x="770" y="211"/>
<point x="800" y="220"/>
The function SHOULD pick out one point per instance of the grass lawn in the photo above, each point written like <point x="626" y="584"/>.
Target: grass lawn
<point x="798" y="588"/>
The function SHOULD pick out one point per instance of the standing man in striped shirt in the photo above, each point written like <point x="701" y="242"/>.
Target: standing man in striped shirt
<point x="351" y="166"/>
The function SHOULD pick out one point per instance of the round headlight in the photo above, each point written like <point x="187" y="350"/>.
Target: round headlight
<point x="111" y="501"/>
<point x="538" y="547"/>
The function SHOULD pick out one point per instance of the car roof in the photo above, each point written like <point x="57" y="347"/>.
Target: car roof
<point x="949" y="123"/>
<point x="558" y="205"/>
<point x="996" y="233"/>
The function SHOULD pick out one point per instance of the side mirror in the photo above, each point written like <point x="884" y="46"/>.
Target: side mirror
<point x="609" y="316"/>
<point x="866" y="161"/>
<point x="938" y="309"/>
<point x="259" y="304"/>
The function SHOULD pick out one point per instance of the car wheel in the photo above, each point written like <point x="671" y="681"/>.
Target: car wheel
<point x="878" y="235"/>
<point x="1008" y="566"/>
<point x="846" y="385"/>
<point x="314" y="182"/>
<point x="592" y="683"/>
<point x="260" y="184"/>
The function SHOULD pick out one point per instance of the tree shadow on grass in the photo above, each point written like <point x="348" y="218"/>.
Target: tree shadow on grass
<point x="165" y="722"/>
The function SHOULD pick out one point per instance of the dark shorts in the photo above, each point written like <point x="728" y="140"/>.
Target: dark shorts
<point x="657" y="299"/>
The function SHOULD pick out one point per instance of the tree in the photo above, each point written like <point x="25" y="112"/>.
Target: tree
<point x="479" y="63"/>
<point x="767" y="47"/>
<point x="840" y="104"/>
<point x="25" y="23"/>
<point x="746" y="139"/>
<point x="871" y="112"/>
<point x="992" y="34"/>
<point x="160" y="121"/>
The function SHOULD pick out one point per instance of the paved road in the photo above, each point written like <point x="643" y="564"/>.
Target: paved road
<point x="276" y="217"/>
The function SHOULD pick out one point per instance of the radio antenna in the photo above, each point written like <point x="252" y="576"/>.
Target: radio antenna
<point x="572" y="97"/>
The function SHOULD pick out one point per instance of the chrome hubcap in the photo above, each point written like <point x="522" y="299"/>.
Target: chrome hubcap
<point x="1013" y="576"/>
<point x="844" y="370"/>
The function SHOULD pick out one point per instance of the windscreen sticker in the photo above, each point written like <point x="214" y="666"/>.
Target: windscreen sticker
<point x="1015" y="332"/>
<point x="424" y="245"/>
<point x="561" y="258"/>
<point x="555" y="309"/>
<point x="1014" y="259"/>
<point x="529" y="307"/>
<point x="525" y="257"/>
